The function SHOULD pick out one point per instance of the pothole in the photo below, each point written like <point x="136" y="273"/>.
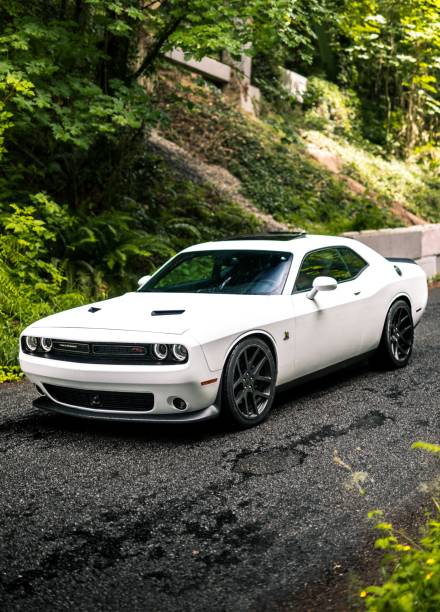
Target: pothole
<point x="372" y="419"/>
<point x="263" y="462"/>
<point x="272" y="461"/>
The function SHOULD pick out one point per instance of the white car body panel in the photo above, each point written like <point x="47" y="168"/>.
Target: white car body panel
<point x="306" y="335"/>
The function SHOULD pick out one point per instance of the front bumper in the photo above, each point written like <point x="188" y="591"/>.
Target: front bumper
<point x="165" y="382"/>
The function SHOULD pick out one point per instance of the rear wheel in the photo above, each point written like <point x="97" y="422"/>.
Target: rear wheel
<point x="249" y="383"/>
<point x="397" y="337"/>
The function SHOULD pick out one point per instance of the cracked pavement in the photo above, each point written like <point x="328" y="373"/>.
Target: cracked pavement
<point x="99" y="516"/>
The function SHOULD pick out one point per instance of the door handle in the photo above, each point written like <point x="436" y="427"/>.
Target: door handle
<point x="356" y="292"/>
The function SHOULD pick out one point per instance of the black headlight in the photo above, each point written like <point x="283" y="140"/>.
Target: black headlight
<point x="167" y="353"/>
<point x="180" y="352"/>
<point x="31" y="343"/>
<point x="46" y="344"/>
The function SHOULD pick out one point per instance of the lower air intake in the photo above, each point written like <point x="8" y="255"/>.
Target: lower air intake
<point x="102" y="400"/>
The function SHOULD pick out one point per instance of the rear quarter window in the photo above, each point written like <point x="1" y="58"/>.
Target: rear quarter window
<point x="354" y="262"/>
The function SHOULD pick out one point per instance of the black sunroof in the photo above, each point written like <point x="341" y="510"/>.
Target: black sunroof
<point x="269" y="236"/>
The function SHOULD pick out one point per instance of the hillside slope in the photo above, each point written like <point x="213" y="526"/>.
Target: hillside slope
<point x="282" y="163"/>
<point x="221" y="180"/>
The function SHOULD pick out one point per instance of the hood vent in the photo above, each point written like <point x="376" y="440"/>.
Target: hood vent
<point x="160" y="313"/>
<point x="93" y="309"/>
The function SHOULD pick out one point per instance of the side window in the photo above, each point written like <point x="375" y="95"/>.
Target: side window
<point x="354" y="262"/>
<point x="325" y="262"/>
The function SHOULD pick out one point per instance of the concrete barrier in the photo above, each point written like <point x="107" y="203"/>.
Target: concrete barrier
<point x="208" y="67"/>
<point x="419" y="242"/>
<point x="295" y="83"/>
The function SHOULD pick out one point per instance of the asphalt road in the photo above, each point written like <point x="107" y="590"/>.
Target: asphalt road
<point x="122" y="517"/>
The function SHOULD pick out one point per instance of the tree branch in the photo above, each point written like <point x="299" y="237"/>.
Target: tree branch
<point x="156" y="48"/>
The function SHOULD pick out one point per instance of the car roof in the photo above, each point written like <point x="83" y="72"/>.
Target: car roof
<point x="291" y="243"/>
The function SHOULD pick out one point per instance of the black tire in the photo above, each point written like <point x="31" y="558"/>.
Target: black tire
<point x="396" y="344"/>
<point x="248" y="386"/>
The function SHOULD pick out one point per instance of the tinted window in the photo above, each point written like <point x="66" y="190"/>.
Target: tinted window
<point x="325" y="262"/>
<point x="192" y="269"/>
<point x="252" y="272"/>
<point x="354" y="262"/>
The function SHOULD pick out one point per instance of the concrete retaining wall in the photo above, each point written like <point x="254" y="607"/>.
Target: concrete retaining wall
<point x="419" y="242"/>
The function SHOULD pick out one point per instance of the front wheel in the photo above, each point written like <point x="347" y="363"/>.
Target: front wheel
<point x="249" y="383"/>
<point x="396" y="344"/>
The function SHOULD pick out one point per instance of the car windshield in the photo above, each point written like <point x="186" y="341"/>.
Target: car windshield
<point x="239" y="272"/>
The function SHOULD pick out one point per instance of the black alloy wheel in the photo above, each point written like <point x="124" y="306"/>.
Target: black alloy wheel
<point x="398" y="336"/>
<point x="249" y="382"/>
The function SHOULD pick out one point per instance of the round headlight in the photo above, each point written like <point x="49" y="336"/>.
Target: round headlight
<point x="180" y="352"/>
<point x="160" y="351"/>
<point x="31" y="343"/>
<point x="46" y="344"/>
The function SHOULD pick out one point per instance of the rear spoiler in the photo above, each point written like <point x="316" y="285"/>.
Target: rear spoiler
<point x="401" y="260"/>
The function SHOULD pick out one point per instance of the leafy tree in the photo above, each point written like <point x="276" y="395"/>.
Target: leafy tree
<point x="393" y="58"/>
<point x="72" y="109"/>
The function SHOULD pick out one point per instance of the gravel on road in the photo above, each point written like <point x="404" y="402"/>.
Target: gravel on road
<point x="99" y="516"/>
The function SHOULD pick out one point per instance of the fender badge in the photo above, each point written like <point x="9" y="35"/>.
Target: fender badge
<point x="286" y="335"/>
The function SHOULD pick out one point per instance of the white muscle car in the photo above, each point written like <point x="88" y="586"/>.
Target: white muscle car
<point x="222" y="325"/>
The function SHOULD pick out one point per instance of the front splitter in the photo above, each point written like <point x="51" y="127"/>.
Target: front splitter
<point x="191" y="417"/>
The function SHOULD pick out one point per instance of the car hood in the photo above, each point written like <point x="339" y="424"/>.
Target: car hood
<point x="163" y="312"/>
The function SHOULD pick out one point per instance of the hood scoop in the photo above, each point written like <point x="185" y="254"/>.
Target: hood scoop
<point x="161" y="313"/>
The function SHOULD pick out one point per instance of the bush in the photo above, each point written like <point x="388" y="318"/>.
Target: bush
<point x="32" y="284"/>
<point x="412" y="569"/>
<point x="329" y="108"/>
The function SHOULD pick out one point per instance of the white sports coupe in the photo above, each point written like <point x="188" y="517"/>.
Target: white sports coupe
<point x="223" y="325"/>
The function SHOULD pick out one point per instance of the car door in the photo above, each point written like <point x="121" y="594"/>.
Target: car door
<point x="328" y="328"/>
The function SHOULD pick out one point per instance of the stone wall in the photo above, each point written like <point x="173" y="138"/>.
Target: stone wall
<point x="419" y="242"/>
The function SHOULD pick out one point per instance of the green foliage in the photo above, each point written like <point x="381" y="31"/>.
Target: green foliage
<point x="387" y="181"/>
<point x="275" y="171"/>
<point x="431" y="448"/>
<point x="411" y="568"/>
<point x="393" y="61"/>
<point x="414" y="581"/>
<point x="32" y="284"/>
<point x="10" y="374"/>
<point x="331" y="109"/>
<point x="202" y="28"/>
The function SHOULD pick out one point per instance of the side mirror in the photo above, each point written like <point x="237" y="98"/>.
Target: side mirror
<point x="322" y="283"/>
<point x="143" y="280"/>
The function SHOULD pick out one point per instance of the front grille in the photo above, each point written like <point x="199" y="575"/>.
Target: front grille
<point x="100" y="352"/>
<point x="63" y="346"/>
<point x="126" y="350"/>
<point x="102" y="400"/>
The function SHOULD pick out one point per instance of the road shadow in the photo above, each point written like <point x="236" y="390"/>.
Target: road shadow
<point x="41" y="424"/>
